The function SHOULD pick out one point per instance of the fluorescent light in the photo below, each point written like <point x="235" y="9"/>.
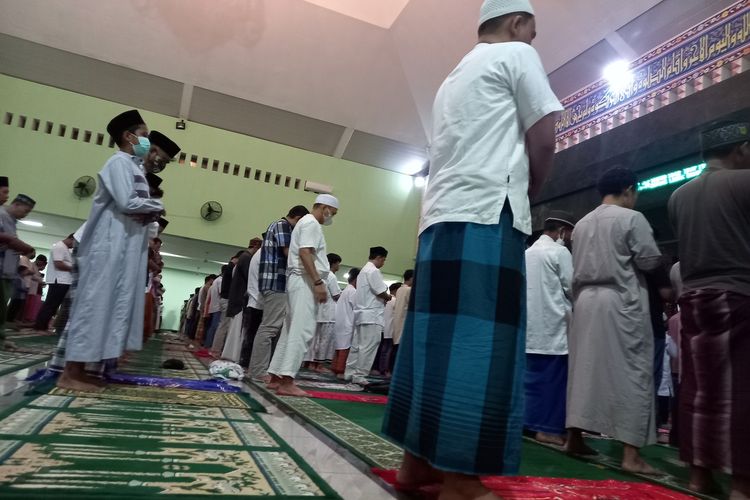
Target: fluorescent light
<point x="167" y="254"/>
<point x="618" y="75"/>
<point x="414" y="166"/>
<point x="420" y="181"/>
<point x="31" y="223"/>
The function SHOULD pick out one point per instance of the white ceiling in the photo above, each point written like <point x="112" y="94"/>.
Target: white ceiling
<point x="369" y="65"/>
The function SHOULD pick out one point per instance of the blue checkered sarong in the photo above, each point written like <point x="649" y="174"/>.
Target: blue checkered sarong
<point x="456" y="398"/>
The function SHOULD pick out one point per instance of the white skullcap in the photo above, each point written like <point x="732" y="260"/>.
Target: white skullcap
<point x="327" y="199"/>
<point x="496" y="8"/>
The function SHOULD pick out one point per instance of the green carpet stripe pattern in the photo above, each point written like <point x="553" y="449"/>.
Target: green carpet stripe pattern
<point x="91" y="447"/>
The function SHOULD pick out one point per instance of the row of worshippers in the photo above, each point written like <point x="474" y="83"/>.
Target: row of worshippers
<point x="595" y="329"/>
<point x="102" y="312"/>
<point x="257" y="306"/>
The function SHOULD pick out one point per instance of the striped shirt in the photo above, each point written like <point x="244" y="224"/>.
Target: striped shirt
<point x="272" y="273"/>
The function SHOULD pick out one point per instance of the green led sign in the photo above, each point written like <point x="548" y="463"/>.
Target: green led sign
<point x="671" y="178"/>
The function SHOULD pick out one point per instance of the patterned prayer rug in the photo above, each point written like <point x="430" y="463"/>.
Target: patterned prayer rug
<point x="11" y="361"/>
<point x="546" y="488"/>
<point x="60" y="446"/>
<point x="168" y="396"/>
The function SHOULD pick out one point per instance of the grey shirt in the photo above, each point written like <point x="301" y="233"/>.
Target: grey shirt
<point x="711" y="215"/>
<point x="8" y="257"/>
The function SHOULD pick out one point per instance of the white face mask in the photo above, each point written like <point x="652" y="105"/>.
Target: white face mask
<point x="327" y="218"/>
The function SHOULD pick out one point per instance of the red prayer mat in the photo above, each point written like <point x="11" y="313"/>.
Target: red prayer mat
<point x="547" y="488"/>
<point x="355" y="397"/>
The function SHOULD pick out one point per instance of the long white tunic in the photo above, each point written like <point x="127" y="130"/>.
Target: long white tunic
<point x="345" y="318"/>
<point x="107" y="312"/>
<point x="549" y="283"/>
<point x="611" y="364"/>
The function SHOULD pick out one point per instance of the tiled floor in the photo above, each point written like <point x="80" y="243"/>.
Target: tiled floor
<point x="344" y="472"/>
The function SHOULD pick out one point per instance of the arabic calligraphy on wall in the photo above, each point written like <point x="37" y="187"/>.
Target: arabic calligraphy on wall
<point x="712" y="43"/>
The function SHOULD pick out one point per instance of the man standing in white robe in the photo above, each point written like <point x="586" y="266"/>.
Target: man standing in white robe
<point x="611" y="344"/>
<point x="107" y="312"/>
<point x="344" y="327"/>
<point x="307" y="271"/>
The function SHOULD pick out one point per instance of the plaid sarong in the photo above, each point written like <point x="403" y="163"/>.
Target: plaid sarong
<point x="456" y="399"/>
<point x="714" y="414"/>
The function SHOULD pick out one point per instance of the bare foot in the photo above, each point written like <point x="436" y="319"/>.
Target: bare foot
<point x="460" y="487"/>
<point x="65" y="382"/>
<point x="543" y="437"/>
<point x="272" y="382"/>
<point x="578" y="447"/>
<point x="291" y="390"/>
<point x="639" y="466"/>
<point x="415" y="473"/>
<point x="702" y="481"/>
<point x="96" y="381"/>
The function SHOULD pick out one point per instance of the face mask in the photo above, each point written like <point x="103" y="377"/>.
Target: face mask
<point x="141" y="149"/>
<point x="327" y="218"/>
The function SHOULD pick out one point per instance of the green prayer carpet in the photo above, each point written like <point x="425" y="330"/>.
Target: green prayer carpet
<point x="61" y="446"/>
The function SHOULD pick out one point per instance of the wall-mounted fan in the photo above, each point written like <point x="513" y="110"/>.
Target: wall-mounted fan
<point x="84" y="186"/>
<point x="211" y="210"/>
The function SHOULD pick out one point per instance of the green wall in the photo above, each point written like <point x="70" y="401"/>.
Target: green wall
<point x="378" y="207"/>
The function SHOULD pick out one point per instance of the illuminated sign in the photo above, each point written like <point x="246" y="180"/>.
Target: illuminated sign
<point x="671" y="178"/>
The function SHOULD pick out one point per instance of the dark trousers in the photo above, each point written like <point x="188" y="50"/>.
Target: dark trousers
<point x="15" y="308"/>
<point x="55" y="296"/>
<point x="251" y="321"/>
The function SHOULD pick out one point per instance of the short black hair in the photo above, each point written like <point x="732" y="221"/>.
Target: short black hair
<point x="41" y="257"/>
<point x="616" y="180"/>
<point x="353" y="273"/>
<point x="394" y="287"/>
<point x="121" y="138"/>
<point x="238" y="255"/>
<point x="209" y="278"/>
<point x="71" y="236"/>
<point x="158" y="240"/>
<point x="493" y="25"/>
<point x="298" y="211"/>
<point x="376" y="252"/>
<point x="197" y="290"/>
<point x="224" y="268"/>
<point x="333" y="258"/>
<point x="408" y="274"/>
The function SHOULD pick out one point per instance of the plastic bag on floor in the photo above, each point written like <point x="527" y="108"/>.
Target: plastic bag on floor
<point x="225" y="370"/>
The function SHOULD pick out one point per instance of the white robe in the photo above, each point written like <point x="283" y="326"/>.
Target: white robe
<point x="345" y="318"/>
<point x="611" y="344"/>
<point x="106" y="317"/>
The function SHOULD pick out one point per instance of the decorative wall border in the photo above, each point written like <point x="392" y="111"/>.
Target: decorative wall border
<point x="708" y="53"/>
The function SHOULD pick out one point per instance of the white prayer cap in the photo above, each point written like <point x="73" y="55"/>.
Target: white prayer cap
<point x="327" y="199"/>
<point x="496" y="8"/>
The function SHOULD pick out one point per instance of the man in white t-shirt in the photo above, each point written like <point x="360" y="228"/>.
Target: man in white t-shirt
<point x="307" y="270"/>
<point x="369" y="309"/>
<point x="59" y="278"/>
<point x="461" y="356"/>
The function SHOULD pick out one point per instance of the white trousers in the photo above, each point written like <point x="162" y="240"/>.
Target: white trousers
<point x="299" y="327"/>
<point x="364" y="348"/>
<point x="233" y="345"/>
